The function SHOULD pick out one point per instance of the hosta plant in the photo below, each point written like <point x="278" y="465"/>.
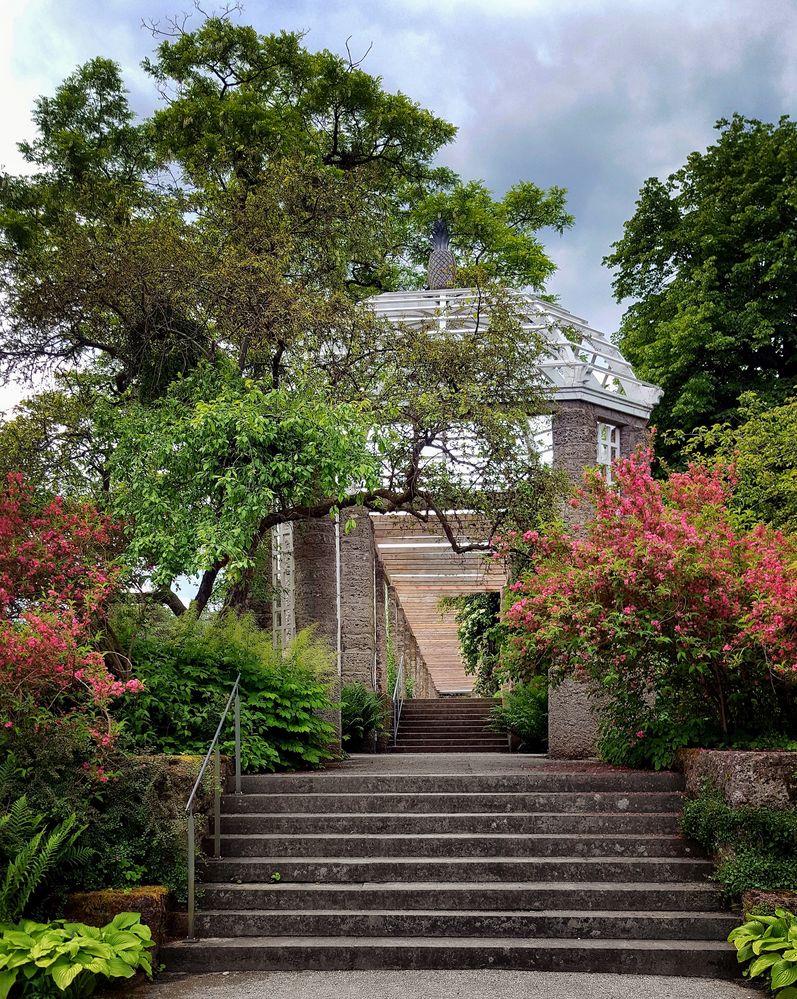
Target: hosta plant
<point x="71" y="959"/>
<point x="769" y="944"/>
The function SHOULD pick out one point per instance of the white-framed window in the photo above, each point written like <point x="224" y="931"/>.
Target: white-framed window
<point x="608" y="446"/>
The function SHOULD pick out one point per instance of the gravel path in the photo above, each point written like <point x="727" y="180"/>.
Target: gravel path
<point x="437" y="985"/>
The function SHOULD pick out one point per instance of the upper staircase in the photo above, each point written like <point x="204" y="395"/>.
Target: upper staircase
<point x="448" y="725"/>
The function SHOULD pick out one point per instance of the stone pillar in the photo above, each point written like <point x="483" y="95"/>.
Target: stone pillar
<point x="358" y="599"/>
<point x="315" y="578"/>
<point x="380" y="630"/>
<point x="572" y="716"/>
<point x="315" y="566"/>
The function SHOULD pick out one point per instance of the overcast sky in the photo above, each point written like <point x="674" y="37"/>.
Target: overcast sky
<point x="594" y="95"/>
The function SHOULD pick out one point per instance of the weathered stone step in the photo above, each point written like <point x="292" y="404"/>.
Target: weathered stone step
<point x="534" y="801"/>
<point x="697" y="958"/>
<point x="535" y="779"/>
<point x="466" y="822"/>
<point x="475" y="709"/>
<point x="522" y="896"/>
<point x="448" y="703"/>
<point x="469" y="747"/>
<point x="456" y="844"/>
<point x="457" y="730"/>
<point x="600" y="924"/>
<point x="310" y="870"/>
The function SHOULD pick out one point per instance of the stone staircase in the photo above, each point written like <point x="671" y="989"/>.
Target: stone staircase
<point x="578" y="869"/>
<point x="448" y="725"/>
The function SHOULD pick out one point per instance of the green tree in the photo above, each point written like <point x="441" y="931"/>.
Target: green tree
<point x="708" y="261"/>
<point x="761" y="443"/>
<point x="199" y="274"/>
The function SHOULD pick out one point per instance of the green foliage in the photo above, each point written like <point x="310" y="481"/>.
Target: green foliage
<point x="645" y="733"/>
<point x="750" y="869"/>
<point x="492" y="240"/>
<point x="188" y="669"/>
<point x="130" y="816"/>
<point x="708" y="262"/>
<point x="769" y="943"/>
<point x="44" y="960"/>
<point x="761" y="442"/>
<point x="524" y="713"/>
<point x="481" y="635"/>
<point x="193" y="507"/>
<point x="757" y="846"/>
<point x="31" y="853"/>
<point x="362" y="716"/>
<point x="714" y="824"/>
<point x="228" y="377"/>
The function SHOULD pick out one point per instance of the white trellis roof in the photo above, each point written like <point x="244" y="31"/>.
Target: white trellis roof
<point x="579" y="363"/>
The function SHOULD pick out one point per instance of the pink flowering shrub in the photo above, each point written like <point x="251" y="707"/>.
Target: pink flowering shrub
<point x="56" y="578"/>
<point x="686" y="621"/>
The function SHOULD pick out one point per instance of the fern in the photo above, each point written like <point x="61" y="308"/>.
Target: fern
<point x="33" y="853"/>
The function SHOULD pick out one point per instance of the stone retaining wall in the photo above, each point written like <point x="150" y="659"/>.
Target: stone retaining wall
<point x="764" y="778"/>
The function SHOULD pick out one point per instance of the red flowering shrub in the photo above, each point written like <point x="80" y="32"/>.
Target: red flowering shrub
<point x="56" y="578"/>
<point x="685" y="620"/>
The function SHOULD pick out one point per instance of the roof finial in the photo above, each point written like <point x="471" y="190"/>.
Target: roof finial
<point x="442" y="269"/>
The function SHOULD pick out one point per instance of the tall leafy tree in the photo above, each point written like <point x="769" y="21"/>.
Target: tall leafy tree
<point x="708" y="262"/>
<point x="199" y="275"/>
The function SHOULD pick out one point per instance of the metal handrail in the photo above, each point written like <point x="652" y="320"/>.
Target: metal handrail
<point x="398" y="697"/>
<point x="235" y="696"/>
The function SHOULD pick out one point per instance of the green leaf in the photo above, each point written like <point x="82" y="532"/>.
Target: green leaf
<point x="64" y="973"/>
<point x="784" y="973"/>
<point x="762" y="964"/>
<point x="7" y="979"/>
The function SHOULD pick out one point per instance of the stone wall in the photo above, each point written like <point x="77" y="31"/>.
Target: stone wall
<point x="764" y="778"/>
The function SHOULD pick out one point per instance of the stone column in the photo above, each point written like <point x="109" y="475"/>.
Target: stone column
<point x="358" y="599"/>
<point x="315" y="564"/>
<point x="572" y="715"/>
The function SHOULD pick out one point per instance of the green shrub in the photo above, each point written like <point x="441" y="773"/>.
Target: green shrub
<point x="481" y="635"/>
<point x="132" y="819"/>
<point x="758" y="845"/>
<point x="645" y="732"/>
<point x="754" y="869"/>
<point x="769" y="943"/>
<point x="40" y="960"/>
<point x="362" y="715"/>
<point x="524" y="713"/>
<point x="189" y="668"/>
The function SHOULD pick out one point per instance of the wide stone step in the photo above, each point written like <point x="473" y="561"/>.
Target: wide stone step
<point x="448" y="747"/>
<point x="308" y="870"/>
<point x="697" y="958"/>
<point x="456" y="844"/>
<point x="663" y="823"/>
<point x="459" y="728"/>
<point x="434" y="923"/>
<point x="428" y="802"/>
<point x="523" y="896"/>
<point x="452" y="711"/>
<point x="536" y="778"/>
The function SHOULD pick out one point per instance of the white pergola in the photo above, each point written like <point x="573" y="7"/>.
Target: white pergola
<point x="579" y="363"/>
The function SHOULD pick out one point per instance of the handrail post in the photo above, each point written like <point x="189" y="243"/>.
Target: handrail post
<point x="191" y="875"/>
<point x="238" y="740"/>
<point x="217" y="802"/>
